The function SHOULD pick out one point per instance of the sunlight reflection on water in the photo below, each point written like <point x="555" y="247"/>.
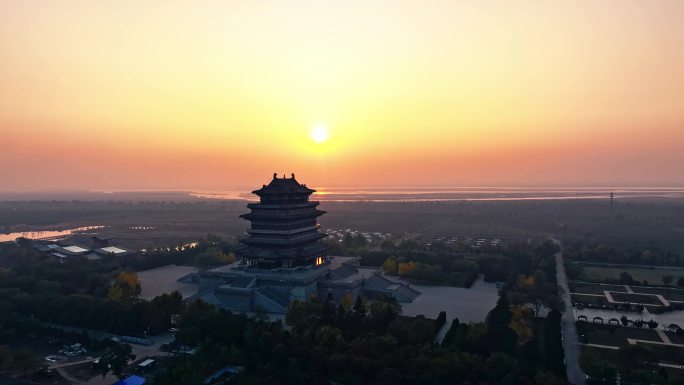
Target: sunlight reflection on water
<point x="48" y="234"/>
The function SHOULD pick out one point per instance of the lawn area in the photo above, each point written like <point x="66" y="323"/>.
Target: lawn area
<point x="602" y="335"/>
<point x="652" y="308"/>
<point x="667" y="354"/>
<point x="586" y="299"/>
<point x="636" y="298"/>
<point x="594" y="288"/>
<point x="652" y="275"/>
<point x="668" y="294"/>
<point x="591" y="355"/>
<point x="675" y="338"/>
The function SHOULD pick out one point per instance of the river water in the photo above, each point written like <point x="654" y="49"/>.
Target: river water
<point x="51" y="234"/>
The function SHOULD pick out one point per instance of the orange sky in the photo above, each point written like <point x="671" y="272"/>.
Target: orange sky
<point x="217" y="94"/>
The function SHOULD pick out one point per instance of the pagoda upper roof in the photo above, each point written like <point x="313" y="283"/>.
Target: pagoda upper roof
<point x="284" y="185"/>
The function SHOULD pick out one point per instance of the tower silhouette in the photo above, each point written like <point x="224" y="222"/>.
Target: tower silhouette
<point x="611" y="200"/>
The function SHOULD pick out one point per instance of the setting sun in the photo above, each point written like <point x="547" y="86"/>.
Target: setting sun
<point x="319" y="134"/>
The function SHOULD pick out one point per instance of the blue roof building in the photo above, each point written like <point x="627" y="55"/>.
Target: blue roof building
<point x="132" y="380"/>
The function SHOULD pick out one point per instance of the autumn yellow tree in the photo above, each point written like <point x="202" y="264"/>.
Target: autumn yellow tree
<point x="520" y="323"/>
<point x="230" y="257"/>
<point x="525" y="283"/>
<point x="406" y="269"/>
<point x="347" y="301"/>
<point x="126" y="285"/>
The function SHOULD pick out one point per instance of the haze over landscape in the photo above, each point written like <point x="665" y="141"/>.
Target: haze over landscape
<point x="375" y="192"/>
<point x="218" y="95"/>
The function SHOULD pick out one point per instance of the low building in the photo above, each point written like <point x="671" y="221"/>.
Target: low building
<point x="131" y="380"/>
<point x="114" y="251"/>
<point x="101" y="247"/>
<point x="101" y="240"/>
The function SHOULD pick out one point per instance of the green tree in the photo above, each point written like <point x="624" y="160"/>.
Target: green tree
<point x="387" y="245"/>
<point x="667" y="280"/>
<point x="500" y="366"/>
<point x="302" y="315"/>
<point x="390" y="265"/>
<point x="360" y="307"/>
<point x="501" y="337"/>
<point x="161" y="309"/>
<point x="44" y="286"/>
<point x="634" y="357"/>
<point x="26" y="361"/>
<point x="213" y="256"/>
<point x="115" y="359"/>
<point x="382" y="312"/>
<point x="419" y="331"/>
<point x="5" y="357"/>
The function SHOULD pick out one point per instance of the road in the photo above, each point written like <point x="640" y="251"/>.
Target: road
<point x="571" y="344"/>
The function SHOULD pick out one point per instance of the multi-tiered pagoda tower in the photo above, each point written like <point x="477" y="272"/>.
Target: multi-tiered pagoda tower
<point x="284" y="232"/>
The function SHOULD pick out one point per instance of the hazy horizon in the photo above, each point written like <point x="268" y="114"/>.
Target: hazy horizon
<point x="178" y="96"/>
<point x="368" y="194"/>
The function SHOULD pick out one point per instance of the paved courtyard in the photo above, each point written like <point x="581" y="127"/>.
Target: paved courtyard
<point x="468" y="305"/>
<point x="664" y="320"/>
<point x="165" y="280"/>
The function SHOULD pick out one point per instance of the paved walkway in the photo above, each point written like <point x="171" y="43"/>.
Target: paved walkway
<point x="633" y="341"/>
<point x="609" y="297"/>
<point x="72" y="363"/>
<point x="663" y="336"/>
<point x="442" y="332"/>
<point x="663" y="300"/>
<point x="603" y="346"/>
<point x="571" y="344"/>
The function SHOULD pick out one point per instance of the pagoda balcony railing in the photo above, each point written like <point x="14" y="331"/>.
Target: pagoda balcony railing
<point x="307" y="237"/>
<point x="299" y="215"/>
<point x="282" y="225"/>
<point x="283" y="232"/>
<point x="279" y="206"/>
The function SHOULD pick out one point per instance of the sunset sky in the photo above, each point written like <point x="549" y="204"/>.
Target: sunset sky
<point x="206" y="95"/>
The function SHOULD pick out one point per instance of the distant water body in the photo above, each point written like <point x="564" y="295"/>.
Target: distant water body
<point x="47" y="234"/>
<point x="414" y="194"/>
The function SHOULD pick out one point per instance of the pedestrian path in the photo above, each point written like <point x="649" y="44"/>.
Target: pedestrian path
<point x="602" y="346"/>
<point x="609" y="297"/>
<point x="663" y="336"/>
<point x="570" y="339"/>
<point x="633" y="341"/>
